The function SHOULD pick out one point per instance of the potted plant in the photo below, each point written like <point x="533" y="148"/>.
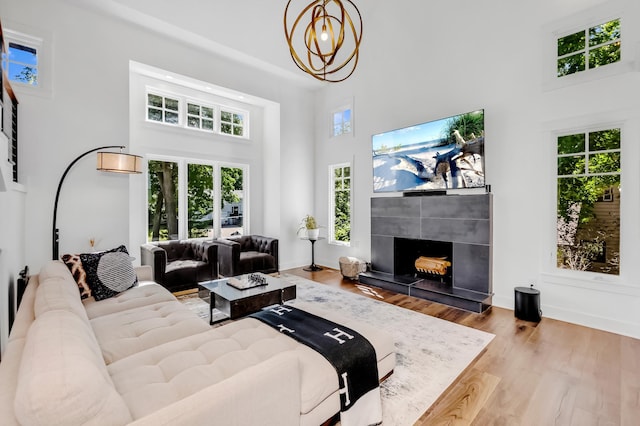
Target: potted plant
<point x="311" y="226"/>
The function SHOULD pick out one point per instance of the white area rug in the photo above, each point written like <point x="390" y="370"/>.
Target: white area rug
<point x="430" y="352"/>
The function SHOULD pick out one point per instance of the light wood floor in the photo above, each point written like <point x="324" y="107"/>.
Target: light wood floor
<point x="550" y="373"/>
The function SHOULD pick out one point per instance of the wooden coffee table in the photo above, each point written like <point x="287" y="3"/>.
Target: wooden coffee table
<point x="228" y="302"/>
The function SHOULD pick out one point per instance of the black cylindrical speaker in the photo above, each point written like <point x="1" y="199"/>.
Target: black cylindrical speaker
<point x="527" y="304"/>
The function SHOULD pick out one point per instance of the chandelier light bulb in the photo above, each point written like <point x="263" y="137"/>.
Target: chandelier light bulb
<point x="323" y="35"/>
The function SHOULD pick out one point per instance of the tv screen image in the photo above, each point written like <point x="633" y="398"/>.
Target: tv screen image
<point x="436" y="155"/>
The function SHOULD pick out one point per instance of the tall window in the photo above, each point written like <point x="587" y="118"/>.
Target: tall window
<point x="232" y="201"/>
<point x="341" y="121"/>
<point x="589" y="48"/>
<point x="163" y="200"/>
<point x="200" y="200"/>
<point x="182" y="196"/>
<point x="340" y="205"/>
<point x="163" y="109"/>
<point x="588" y="212"/>
<point x="21" y="63"/>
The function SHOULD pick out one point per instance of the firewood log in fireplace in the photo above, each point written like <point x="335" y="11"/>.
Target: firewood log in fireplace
<point x="432" y="265"/>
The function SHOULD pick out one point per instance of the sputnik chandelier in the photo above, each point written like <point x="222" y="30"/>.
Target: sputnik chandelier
<point x="324" y="40"/>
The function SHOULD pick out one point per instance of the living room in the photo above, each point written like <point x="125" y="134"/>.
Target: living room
<point x="419" y="62"/>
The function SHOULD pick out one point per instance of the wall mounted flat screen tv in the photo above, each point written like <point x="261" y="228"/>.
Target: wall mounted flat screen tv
<point x="437" y="155"/>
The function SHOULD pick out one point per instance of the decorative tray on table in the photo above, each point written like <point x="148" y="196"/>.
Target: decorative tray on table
<point x="248" y="281"/>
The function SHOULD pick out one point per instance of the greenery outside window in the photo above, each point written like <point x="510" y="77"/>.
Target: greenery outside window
<point x="182" y="195"/>
<point x="590" y="48"/>
<point x="200" y="117"/>
<point x="340" y="204"/>
<point x="200" y="200"/>
<point x="163" y="109"/>
<point x="162" y="200"/>
<point x="341" y="122"/>
<point x="232" y="123"/>
<point x="588" y="204"/>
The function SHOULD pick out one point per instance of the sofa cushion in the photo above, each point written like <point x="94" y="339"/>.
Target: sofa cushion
<point x="143" y="295"/>
<point x="256" y="261"/>
<point x="170" y="372"/>
<point x="57" y="293"/>
<point x="128" y="332"/>
<point x="109" y="272"/>
<point x="62" y="378"/>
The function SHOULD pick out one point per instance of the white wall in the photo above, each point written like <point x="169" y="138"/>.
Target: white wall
<point x="445" y="58"/>
<point x="432" y="59"/>
<point x="89" y="107"/>
<point x="12" y="231"/>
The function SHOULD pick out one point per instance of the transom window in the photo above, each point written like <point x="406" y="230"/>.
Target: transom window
<point x="163" y="109"/>
<point x="588" y="212"/>
<point x="21" y="63"/>
<point x="200" y="117"/>
<point x="340" y="204"/>
<point x="232" y="123"/>
<point x="178" y="110"/>
<point x="590" y="48"/>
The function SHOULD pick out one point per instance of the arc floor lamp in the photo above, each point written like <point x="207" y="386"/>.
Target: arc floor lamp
<point x="117" y="162"/>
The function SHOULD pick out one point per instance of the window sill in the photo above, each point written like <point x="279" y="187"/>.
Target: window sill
<point x="593" y="282"/>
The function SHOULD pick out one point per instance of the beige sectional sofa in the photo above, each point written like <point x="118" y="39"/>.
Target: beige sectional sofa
<point x="143" y="358"/>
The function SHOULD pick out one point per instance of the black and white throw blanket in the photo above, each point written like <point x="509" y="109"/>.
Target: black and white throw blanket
<point x="352" y="355"/>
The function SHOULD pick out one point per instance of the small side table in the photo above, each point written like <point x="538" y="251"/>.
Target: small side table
<point x="313" y="267"/>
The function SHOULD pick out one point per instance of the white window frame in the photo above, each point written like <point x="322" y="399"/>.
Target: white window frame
<point x="332" y="206"/>
<point x="586" y="153"/>
<point x="41" y="42"/>
<point x="245" y="121"/>
<point x="580" y="21"/>
<point x="183" y="113"/>
<point x="163" y="109"/>
<point x="201" y="105"/>
<point x="29" y="42"/>
<point x="586" y="50"/>
<point x="183" y="220"/>
<point x="341" y="111"/>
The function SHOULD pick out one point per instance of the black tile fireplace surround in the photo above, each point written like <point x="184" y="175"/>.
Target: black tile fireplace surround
<point x="456" y="227"/>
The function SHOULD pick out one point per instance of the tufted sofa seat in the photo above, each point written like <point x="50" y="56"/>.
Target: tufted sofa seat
<point x="181" y="264"/>
<point x="143" y="358"/>
<point x="246" y="254"/>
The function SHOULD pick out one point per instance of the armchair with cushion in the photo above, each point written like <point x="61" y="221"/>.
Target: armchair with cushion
<point x="181" y="264"/>
<point x="247" y="254"/>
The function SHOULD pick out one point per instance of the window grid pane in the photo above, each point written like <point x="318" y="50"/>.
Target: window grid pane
<point x="603" y="48"/>
<point x="163" y="109"/>
<point x="231" y="123"/>
<point x="22" y="64"/>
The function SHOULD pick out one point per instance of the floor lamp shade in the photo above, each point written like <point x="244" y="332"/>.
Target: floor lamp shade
<point x="119" y="162"/>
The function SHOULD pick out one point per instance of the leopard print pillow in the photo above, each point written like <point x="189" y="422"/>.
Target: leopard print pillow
<point x="74" y="264"/>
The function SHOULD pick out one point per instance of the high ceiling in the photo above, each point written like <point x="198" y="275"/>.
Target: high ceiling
<point x="250" y="31"/>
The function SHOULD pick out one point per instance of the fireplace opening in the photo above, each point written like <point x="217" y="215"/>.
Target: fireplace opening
<point x="427" y="259"/>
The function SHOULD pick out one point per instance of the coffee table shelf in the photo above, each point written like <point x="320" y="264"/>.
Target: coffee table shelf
<point x="229" y="302"/>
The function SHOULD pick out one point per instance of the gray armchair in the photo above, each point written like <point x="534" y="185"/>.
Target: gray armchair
<point x="247" y="254"/>
<point x="181" y="264"/>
